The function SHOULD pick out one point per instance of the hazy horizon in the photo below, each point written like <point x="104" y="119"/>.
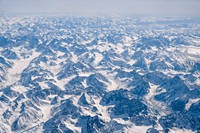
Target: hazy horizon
<point x="134" y="7"/>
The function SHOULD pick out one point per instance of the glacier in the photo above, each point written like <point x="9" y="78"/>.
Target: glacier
<point x="65" y="74"/>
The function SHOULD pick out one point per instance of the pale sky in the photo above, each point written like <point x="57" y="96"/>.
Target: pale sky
<point x="135" y="7"/>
